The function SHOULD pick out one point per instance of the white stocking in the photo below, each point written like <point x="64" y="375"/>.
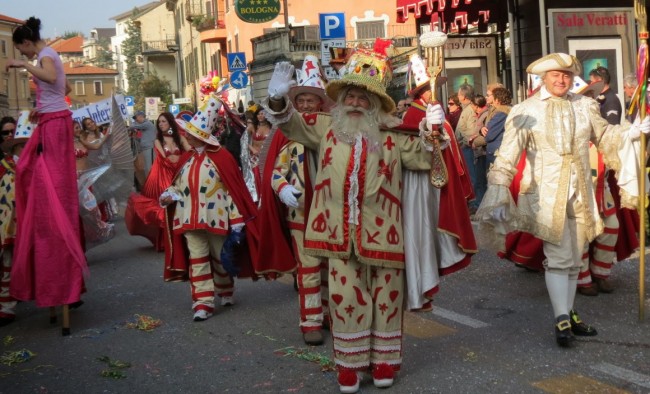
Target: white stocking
<point x="573" y="286"/>
<point x="557" y="283"/>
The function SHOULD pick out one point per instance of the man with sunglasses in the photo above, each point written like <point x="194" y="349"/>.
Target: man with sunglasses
<point x="453" y="110"/>
<point x="7" y="127"/>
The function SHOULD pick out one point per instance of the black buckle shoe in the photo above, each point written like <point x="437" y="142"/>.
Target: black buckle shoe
<point x="563" y="334"/>
<point x="579" y="328"/>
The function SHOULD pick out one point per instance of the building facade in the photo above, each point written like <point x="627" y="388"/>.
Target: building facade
<point x="15" y="92"/>
<point x="89" y="84"/>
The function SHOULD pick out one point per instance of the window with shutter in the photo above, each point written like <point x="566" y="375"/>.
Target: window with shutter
<point x="374" y="29"/>
<point x="79" y="88"/>
<point x="99" y="89"/>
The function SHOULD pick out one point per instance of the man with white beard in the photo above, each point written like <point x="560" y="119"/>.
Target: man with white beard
<point x="355" y="218"/>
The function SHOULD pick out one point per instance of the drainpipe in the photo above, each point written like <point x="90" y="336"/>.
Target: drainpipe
<point x="286" y="13"/>
<point x="542" y="25"/>
<point x="513" y="50"/>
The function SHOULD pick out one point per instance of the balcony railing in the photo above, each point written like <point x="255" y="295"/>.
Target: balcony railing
<point x="193" y="8"/>
<point x="158" y="46"/>
<point x="208" y="22"/>
<point x="372" y="30"/>
<point x="305" y="46"/>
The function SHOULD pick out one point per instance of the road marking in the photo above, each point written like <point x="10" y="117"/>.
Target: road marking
<point x="624" y="374"/>
<point x="458" y="318"/>
<point x="419" y="327"/>
<point x="574" y="383"/>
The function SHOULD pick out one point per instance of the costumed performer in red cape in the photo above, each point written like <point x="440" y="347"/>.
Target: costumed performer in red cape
<point x="208" y="204"/>
<point x="438" y="234"/>
<point x="287" y="188"/>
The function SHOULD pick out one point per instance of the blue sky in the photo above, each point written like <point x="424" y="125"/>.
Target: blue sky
<point x="59" y="16"/>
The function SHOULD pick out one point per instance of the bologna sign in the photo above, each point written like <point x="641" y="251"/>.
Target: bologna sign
<point x="257" y="11"/>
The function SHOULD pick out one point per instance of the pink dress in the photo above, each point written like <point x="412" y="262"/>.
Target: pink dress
<point x="49" y="262"/>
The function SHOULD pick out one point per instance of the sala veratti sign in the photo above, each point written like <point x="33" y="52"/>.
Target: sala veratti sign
<point x="257" y="11"/>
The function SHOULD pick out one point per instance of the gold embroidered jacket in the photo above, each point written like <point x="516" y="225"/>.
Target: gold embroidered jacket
<point x="550" y="178"/>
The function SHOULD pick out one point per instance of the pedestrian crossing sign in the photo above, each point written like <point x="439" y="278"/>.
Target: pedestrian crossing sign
<point x="236" y="61"/>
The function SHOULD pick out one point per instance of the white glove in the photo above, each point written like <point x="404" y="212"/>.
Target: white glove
<point x="435" y="115"/>
<point x="639" y="126"/>
<point x="289" y="196"/>
<point x="168" y="196"/>
<point x="499" y="213"/>
<point x="281" y="80"/>
<point x="644" y="126"/>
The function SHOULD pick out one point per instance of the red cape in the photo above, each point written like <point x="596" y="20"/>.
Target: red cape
<point x="176" y="253"/>
<point x="453" y="213"/>
<point x="275" y="252"/>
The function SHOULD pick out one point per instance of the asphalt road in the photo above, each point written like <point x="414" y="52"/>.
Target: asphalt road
<point x="491" y="331"/>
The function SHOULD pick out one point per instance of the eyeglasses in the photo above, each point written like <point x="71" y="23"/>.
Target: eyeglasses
<point x="450" y="104"/>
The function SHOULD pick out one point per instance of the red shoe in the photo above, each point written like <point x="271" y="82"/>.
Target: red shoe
<point x="348" y="381"/>
<point x="383" y="375"/>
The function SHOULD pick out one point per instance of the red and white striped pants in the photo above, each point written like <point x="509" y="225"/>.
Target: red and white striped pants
<point x="7" y="304"/>
<point x="207" y="275"/>
<point x="313" y="300"/>
<point x="603" y="253"/>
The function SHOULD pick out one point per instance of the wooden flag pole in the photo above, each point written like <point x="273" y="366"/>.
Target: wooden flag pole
<point x="640" y="101"/>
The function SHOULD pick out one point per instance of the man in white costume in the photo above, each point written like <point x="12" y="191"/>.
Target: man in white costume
<point x="556" y="200"/>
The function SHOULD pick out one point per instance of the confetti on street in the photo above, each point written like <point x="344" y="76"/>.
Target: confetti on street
<point x="8" y="340"/>
<point x="19" y="356"/>
<point x="326" y="364"/>
<point x="115" y="368"/>
<point x="259" y="334"/>
<point x="145" y="323"/>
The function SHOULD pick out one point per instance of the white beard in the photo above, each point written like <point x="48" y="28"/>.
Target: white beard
<point x="346" y="127"/>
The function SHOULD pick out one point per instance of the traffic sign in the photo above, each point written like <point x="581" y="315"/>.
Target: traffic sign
<point x="129" y="101"/>
<point x="239" y="79"/>
<point x="182" y="100"/>
<point x="332" y="25"/>
<point x="325" y="54"/>
<point x="236" y="61"/>
<point x="174" y="109"/>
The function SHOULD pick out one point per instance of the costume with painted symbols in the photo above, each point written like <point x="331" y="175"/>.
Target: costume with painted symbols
<point x="376" y="209"/>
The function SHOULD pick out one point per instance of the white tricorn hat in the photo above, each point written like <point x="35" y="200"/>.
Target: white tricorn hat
<point x="310" y="80"/>
<point x="201" y="124"/>
<point x="555" y="62"/>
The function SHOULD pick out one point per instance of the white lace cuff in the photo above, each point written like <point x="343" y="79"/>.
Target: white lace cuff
<point x="278" y="117"/>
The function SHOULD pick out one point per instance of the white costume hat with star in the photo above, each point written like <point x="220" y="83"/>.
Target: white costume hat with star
<point x="202" y="122"/>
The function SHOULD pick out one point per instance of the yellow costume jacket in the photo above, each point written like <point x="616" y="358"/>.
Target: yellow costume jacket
<point x="551" y="178"/>
<point x="357" y="192"/>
